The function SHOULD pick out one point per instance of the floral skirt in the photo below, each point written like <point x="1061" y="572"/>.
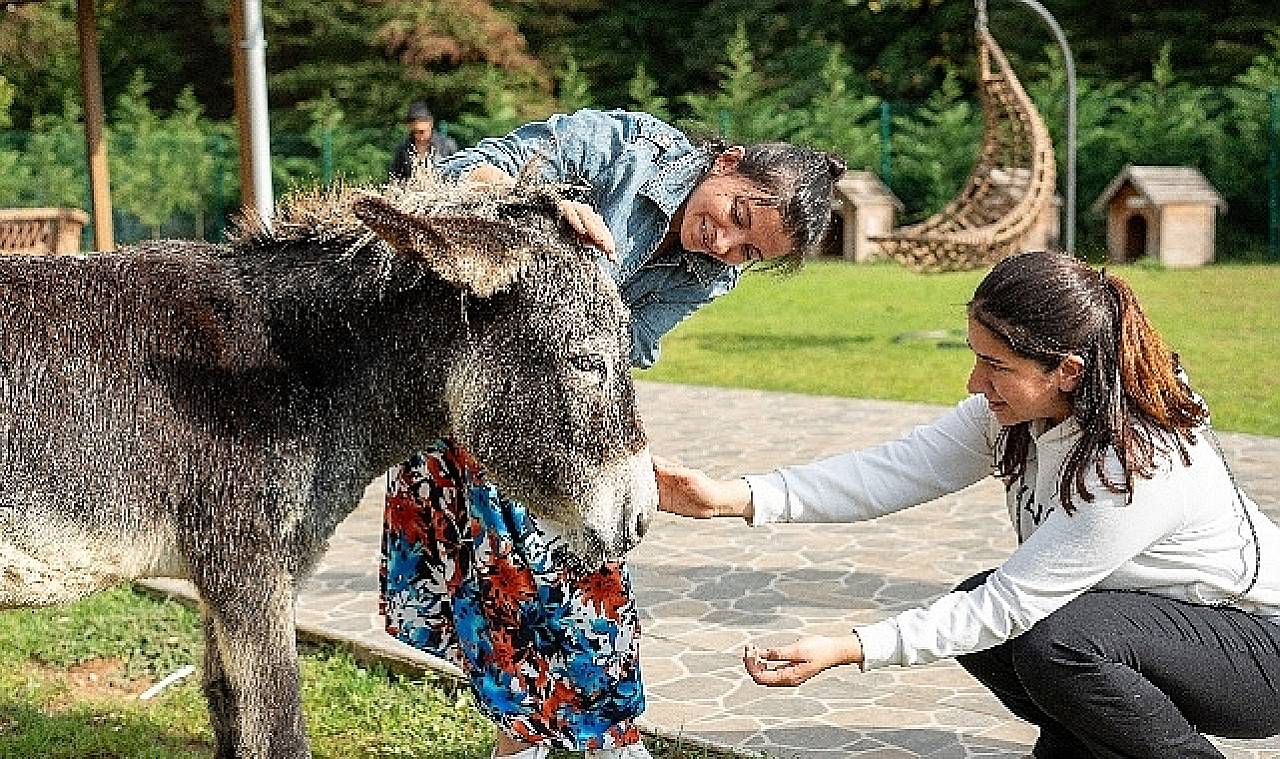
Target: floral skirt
<point x="551" y="649"/>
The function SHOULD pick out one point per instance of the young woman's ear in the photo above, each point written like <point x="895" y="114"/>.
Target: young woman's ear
<point x="1069" y="373"/>
<point x="727" y="161"/>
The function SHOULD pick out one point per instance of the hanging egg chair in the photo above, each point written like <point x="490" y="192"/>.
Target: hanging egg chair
<point x="1010" y="187"/>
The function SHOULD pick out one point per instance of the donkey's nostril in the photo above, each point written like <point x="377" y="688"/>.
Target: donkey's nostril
<point x="642" y="525"/>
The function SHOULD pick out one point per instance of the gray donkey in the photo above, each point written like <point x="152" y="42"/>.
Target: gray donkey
<point x="213" y="412"/>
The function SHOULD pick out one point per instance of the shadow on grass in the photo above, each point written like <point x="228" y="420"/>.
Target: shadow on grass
<point x="86" y="732"/>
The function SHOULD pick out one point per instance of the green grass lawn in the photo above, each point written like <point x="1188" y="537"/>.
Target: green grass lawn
<point x="880" y="331"/>
<point x="70" y="677"/>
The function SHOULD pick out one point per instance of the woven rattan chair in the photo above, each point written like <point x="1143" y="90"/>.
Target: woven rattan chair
<point x="1010" y="186"/>
<point x="41" y="231"/>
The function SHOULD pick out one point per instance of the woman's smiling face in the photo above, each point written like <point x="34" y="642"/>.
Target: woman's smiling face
<point x="1019" y="389"/>
<point x="731" y="219"/>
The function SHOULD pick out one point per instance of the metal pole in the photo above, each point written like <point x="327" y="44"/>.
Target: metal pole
<point x="255" y="59"/>
<point x="1070" y="65"/>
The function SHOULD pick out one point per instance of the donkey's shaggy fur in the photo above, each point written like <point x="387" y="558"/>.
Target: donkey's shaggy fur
<point x="213" y="412"/>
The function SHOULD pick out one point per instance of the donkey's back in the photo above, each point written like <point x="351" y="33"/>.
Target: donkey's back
<point x="111" y="369"/>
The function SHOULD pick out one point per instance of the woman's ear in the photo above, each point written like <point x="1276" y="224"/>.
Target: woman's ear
<point x="1069" y="373"/>
<point x="727" y="161"/>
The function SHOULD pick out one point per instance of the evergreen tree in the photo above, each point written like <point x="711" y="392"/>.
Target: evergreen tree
<point x="55" y="156"/>
<point x="574" y="92"/>
<point x="1099" y="143"/>
<point x="357" y="156"/>
<point x="842" y="121"/>
<point x="1241" y="164"/>
<point x="643" y="93"/>
<point x="39" y="58"/>
<point x="496" y="107"/>
<point x="1168" y="121"/>
<point x="15" y="174"/>
<point x="935" y="148"/>
<point x="160" y="167"/>
<point x="744" y="109"/>
<point x="7" y="92"/>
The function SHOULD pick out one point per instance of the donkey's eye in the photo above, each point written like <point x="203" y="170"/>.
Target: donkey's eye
<point x="590" y="366"/>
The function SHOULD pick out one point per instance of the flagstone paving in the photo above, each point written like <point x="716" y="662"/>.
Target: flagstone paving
<point x="706" y="588"/>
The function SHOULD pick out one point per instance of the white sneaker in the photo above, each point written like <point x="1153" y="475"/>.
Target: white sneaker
<point x="634" y="751"/>
<point x="533" y="752"/>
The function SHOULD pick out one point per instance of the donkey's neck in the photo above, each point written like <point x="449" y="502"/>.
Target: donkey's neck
<point x="366" y="335"/>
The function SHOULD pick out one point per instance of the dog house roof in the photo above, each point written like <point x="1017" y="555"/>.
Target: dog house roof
<point x="1162" y="185"/>
<point x="863" y="188"/>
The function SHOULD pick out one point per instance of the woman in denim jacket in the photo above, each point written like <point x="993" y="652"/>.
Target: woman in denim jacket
<point x="676" y="223"/>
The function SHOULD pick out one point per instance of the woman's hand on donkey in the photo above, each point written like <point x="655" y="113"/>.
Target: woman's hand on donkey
<point x="791" y="665"/>
<point x="589" y="225"/>
<point x="690" y="492"/>
<point x="582" y="218"/>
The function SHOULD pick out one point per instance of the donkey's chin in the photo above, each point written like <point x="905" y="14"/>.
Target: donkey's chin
<point x="620" y="508"/>
<point x="612" y="515"/>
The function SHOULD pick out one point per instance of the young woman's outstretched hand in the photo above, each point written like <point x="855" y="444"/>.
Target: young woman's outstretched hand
<point x="691" y="493"/>
<point x="791" y="665"/>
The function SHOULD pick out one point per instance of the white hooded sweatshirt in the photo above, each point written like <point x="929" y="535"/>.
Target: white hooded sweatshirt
<point x="1188" y="533"/>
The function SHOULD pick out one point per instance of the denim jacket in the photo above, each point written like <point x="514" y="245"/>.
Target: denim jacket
<point x="638" y="171"/>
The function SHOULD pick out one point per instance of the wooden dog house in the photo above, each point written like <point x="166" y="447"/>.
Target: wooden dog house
<point x="1166" y="212"/>
<point x="867" y="207"/>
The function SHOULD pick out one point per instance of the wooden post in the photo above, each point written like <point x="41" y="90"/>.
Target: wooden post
<point x="240" y="88"/>
<point x="95" y="145"/>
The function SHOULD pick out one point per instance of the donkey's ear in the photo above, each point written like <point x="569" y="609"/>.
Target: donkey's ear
<point x="481" y="255"/>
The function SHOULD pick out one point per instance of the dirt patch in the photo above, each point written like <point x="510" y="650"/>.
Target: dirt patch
<point x="93" y="680"/>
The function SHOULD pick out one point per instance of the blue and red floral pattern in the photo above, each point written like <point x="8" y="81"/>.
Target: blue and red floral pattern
<point x="551" y="649"/>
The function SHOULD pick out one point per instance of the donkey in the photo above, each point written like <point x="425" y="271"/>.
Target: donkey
<point x="181" y="409"/>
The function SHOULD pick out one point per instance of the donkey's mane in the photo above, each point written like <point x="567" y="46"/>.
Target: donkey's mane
<point x="324" y="215"/>
<point x="318" y="215"/>
<point x="315" y="236"/>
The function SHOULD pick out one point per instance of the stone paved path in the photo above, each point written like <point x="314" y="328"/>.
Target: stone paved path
<point x="707" y="588"/>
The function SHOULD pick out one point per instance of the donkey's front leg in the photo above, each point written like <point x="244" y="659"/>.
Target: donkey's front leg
<point x="251" y="675"/>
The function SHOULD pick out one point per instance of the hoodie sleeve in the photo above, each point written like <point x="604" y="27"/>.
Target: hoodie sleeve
<point x="1066" y="556"/>
<point x="935" y="459"/>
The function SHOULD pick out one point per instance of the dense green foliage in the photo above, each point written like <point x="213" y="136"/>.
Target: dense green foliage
<point x="817" y="71"/>
<point x="375" y="55"/>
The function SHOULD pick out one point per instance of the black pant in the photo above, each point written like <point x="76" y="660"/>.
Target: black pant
<point x="1129" y="674"/>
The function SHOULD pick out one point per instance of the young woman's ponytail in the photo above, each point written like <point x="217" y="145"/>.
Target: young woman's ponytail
<point x="1151" y="374"/>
